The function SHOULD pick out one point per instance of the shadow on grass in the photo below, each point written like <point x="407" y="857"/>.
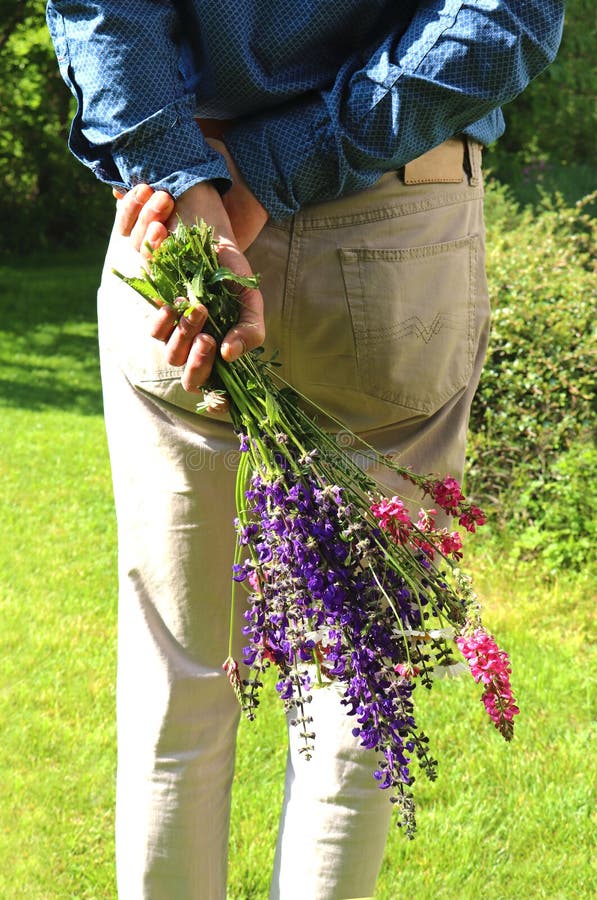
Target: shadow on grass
<point x="48" y="334"/>
<point x="48" y="396"/>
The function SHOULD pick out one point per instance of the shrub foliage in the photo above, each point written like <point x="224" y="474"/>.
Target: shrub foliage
<point x="532" y="416"/>
<point x="46" y="198"/>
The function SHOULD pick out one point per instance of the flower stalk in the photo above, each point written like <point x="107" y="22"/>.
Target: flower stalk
<point x="343" y="584"/>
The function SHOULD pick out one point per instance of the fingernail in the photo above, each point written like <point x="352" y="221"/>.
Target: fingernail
<point x="206" y="343"/>
<point x="231" y="350"/>
<point x="198" y="315"/>
<point x="161" y="201"/>
<point x="139" y="191"/>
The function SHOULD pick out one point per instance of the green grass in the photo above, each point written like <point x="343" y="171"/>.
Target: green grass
<point x="502" y="821"/>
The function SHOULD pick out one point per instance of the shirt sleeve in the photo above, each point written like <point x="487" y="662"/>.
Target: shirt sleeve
<point x="456" y="63"/>
<point x="110" y="55"/>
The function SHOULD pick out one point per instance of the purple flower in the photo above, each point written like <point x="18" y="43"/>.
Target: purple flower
<point x="331" y="598"/>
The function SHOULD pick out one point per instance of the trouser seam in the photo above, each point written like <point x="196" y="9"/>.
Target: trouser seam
<point x="397" y="210"/>
<point x="290" y="282"/>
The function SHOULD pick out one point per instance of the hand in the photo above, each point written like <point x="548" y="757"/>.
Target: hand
<point x="146" y="216"/>
<point x="247" y="215"/>
<point x="141" y="215"/>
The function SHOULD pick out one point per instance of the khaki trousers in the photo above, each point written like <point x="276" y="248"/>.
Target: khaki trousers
<point x="378" y="306"/>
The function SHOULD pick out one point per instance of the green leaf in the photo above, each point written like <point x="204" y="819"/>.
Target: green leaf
<point x="225" y="274"/>
<point x="272" y="410"/>
<point x="169" y="288"/>
<point x="197" y="284"/>
<point x="142" y="285"/>
<point x="192" y="296"/>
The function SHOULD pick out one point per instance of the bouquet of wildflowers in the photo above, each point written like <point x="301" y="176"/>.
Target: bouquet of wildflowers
<point x="343" y="584"/>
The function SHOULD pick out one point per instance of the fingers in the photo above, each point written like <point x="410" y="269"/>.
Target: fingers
<point x="180" y="342"/>
<point x="249" y="332"/>
<point x="155" y="235"/>
<point x="200" y="360"/>
<point x="129" y="206"/>
<point x="141" y="215"/>
<point x="186" y="345"/>
<point x="156" y="211"/>
<point x="164" y="324"/>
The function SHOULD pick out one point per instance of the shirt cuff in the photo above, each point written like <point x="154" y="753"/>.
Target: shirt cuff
<point x="167" y="151"/>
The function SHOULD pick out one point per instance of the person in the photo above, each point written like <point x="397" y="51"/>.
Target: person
<point x="335" y="147"/>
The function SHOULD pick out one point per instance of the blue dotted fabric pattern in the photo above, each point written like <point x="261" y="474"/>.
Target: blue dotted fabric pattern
<point x="326" y="95"/>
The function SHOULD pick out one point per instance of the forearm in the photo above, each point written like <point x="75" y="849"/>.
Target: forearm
<point x="121" y="61"/>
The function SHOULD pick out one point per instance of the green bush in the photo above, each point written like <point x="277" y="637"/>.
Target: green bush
<point x="46" y="198"/>
<point x="554" y="517"/>
<point x="548" y="145"/>
<point x="556" y="116"/>
<point x="532" y="416"/>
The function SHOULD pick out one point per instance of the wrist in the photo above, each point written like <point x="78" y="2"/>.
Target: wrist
<point x="203" y="201"/>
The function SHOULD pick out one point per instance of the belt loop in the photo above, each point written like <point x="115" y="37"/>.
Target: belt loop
<point x="473" y="162"/>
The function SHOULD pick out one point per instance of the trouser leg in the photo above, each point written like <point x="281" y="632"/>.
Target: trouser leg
<point x="335" y="818"/>
<point x="177" y="716"/>
<point x="383" y="321"/>
<point x="379" y="311"/>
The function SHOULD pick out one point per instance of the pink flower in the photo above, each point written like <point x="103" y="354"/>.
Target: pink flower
<point x="407" y="670"/>
<point x="447" y="494"/>
<point x="451" y="544"/>
<point x="490" y="666"/>
<point x="449" y="497"/>
<point x="471" y="518"/>
<point x="394" y="518"/>
<point x="426" y="520"/>
<point x="253" y="580"/>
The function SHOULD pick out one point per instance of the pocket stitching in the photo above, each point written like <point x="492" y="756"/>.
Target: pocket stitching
<point x="366" y="338"/>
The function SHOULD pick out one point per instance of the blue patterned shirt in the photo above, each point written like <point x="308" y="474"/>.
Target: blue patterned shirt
<point x="326" y="95"/>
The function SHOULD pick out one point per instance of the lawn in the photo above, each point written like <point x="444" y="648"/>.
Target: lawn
<point x="502" y="821"/>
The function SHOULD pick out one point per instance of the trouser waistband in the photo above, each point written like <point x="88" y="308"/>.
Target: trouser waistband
<point x="448" y="163"/>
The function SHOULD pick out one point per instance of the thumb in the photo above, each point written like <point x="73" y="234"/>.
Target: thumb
<point x="249" y="332"/>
